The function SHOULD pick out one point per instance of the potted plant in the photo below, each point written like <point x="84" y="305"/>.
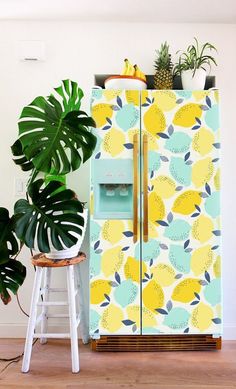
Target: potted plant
<point x="54" y="137"/>
<point x="193" y="63"/>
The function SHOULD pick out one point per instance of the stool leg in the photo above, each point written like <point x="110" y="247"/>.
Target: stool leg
<point x="44" y="322"/>
<point x="72" y="318"/>
<point x="32" y="320"/>
<point x="83" y="321"/>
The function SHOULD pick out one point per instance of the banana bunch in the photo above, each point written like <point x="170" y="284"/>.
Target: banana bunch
<point x="130" y="70"/>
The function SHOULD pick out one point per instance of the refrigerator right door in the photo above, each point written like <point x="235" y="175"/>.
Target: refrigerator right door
<point x="181" y="287"/>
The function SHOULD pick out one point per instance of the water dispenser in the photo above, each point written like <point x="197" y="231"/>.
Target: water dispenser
<point x="113" y="188"/>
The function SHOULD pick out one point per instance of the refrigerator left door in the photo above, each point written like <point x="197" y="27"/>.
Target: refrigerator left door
<point x="114" y="215"/>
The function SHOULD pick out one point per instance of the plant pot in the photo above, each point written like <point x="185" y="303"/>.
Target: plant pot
<point x="196" y="82"/>
<point x="73" y="250"/>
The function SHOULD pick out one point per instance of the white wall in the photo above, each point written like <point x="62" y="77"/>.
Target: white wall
<point x="77" y="51"/>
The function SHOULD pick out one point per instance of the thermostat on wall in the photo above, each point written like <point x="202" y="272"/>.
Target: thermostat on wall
<point x="31" y="51"/>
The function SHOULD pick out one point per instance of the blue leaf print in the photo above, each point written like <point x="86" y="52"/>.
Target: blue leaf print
<point x="119" y="102"/>
<point x="128" y="234"/>
<point x="162" y="135"/>
<point x="216" y="320"/>
<point x="96" y="245"/>
<point x="162" y="311"/>
<point x="117" y="277"/>
<point x="162" y="223"/>
<point x="129" y="146"/>
<point x="128" y="322"/>
<point x="98" y="155"/>
<point x="208" y="101"/>
<point x="207" y="276"/>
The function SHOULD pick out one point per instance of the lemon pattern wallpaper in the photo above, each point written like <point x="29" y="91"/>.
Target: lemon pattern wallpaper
<point x="172" y="283"/>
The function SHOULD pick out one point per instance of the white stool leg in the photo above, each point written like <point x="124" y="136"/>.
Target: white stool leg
<point x="72" y="318"/>
<point x="83" y="321"/>
<point x="32" y="320"/>
<point x="46" y="286"/>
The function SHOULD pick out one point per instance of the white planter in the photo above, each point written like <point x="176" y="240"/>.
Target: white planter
<point x="196" y="82"/>
<point x="125" y="82"/>
<point x="73" y="250"/>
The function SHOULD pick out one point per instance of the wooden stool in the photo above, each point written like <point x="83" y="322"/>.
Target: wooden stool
<point x="44" y="265"/>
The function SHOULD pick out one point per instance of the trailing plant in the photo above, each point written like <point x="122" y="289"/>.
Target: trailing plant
<point x="55" y="137"/>
<point x="195" y="57"/>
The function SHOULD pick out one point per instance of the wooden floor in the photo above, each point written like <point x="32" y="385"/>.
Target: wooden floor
<point x="50" y="368"/>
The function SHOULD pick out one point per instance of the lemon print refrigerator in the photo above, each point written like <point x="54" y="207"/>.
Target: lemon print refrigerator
<point x="154" y="224"/>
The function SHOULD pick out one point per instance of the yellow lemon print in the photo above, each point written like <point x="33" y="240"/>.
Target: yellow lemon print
<point x="133" y="96"/>
<point x="91" y="204"/>
<point x="201" y="259"/>
<point x="111" y="94"/>
<point x="164" y="186"/>
<point x="186" y="115"/>
<point x="111" y="319"/>
<point x="152" y="230"/>
<point x="112" y="260"/>
<point x="185" y="203"/>
<point x="148" y="318"/>
<point x="202" y="317"/>
<point x="163" y="274"/>
<point x="202" y="229"/>
<point x="203" y="141"/>
<point x="112" y="230"/>
<point x="202" y="171"/>
<point x="97" y="290"/>
<point x="217" y="180"/>
<point x="156" y="209"/>
<point x="165" y="99"/>
<point x="132" y="269"/>
<point x="200" y="95"/>
<point x="100" y="113"/>
<point x="113" y="142"/>
<point x="217" y="267"/>
<point x="153" y="296"/>
<point x="184" y="291"/>
<point x="154" y="120"/>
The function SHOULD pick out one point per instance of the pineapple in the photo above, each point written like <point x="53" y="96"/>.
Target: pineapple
<point x="163" y="78"/>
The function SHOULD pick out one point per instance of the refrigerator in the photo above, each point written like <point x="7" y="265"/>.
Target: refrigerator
<point x="155" y="264"/>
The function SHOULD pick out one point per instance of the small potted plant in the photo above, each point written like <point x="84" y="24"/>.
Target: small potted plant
<point x="193" y="63"/>
<point x="54" y="138"/>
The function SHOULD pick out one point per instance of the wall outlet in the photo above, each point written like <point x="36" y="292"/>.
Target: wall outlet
<point x="20" y="186"/>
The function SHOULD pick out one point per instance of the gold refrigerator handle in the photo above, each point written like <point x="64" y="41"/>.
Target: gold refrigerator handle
<point x="135" y="188"/>
<point x="145" y="188"/>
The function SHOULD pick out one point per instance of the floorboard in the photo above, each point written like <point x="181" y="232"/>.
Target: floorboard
<point x="50" y="368"/>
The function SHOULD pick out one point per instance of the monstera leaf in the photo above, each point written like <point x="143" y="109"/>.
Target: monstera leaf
<point x="50" y="216"/>
<point x="20" y="158"/>
<point x="54" y="133"/>
<point x="12" y="272"/>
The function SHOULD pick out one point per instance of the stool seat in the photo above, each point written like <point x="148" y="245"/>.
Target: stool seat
<point x="41" y="301"/>
<point x="42" y="260"/>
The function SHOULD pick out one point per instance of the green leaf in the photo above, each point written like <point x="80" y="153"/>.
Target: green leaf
<point x="8" y="243"/>
<point x="12" y="276"/>
<point x="49" y="216"/>
<point x="54" y="134"/>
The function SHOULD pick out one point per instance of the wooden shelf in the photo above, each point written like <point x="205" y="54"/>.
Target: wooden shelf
<point x="100" y="78"/>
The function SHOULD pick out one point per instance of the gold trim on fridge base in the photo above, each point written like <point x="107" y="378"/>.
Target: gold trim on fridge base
<point x="145" y="188"/>
<point x="135" y="188"/>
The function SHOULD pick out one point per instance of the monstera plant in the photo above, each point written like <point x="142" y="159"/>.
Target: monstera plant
<point x="54" y="138"/>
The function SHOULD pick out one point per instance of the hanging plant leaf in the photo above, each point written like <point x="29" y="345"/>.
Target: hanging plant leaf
<point x="48" y="215"/>
<point x="12" y="276"/>
<point x="8" y="242"/>
<point x="21" y="159"/>
<point x="47" y="126"/>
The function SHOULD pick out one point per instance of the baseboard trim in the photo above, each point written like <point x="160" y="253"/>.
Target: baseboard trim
<point x="13" y="330"/>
